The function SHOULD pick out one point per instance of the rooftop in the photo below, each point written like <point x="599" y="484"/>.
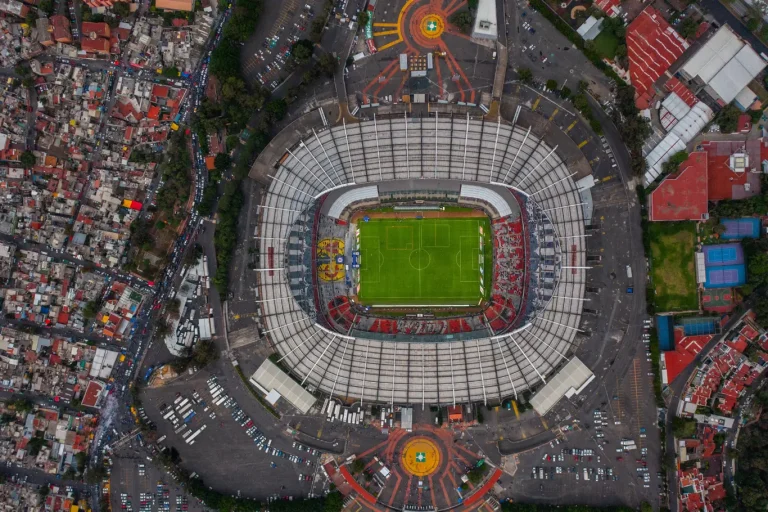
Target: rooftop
<point x="652" y="46"/>
<point x="683" y="195"/>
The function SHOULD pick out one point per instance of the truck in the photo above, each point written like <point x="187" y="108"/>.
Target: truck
<point x="403" y="62"/>
<point x="161" y="439"/>
<point x="189" y="416"/>
<point x="220" y="400"/>
<point x="629" y="271"/>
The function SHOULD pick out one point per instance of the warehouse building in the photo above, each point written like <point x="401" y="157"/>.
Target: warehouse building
<point x="723" y="67"/>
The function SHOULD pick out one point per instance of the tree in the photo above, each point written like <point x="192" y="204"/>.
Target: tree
<point x="301" y="51"/>
<point x="205" y="353"/>
<point x="46" y="6"/>
<point x="357" y="466"/>
<point x="752" y="24"/>
<point x="480" y="416"/>
<point x="472" y="4"/>
<point x="334" y="502"/>
<point x="462" y="20"/>
<point x="525" y="74"/>
<point x="565" y="92"/>
<point x="621" y="50"/>
<point x="362" y="18"/>
<point x="222" y="162"/>
<point x="551" y="84"/>
<point x="27" y="159"/>
<point x="687" y="28"/>
<point x="170" y="72"/>
<point x="122" y="9"/>
<point x="683" y="428"/>
<point x="728" y="119"/>
<point x="91" y="308"/>
<point x="276" y="109"/>
<point x="327" y="64"/>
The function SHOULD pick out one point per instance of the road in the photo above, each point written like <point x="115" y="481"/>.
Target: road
<point x="723" y="15"/>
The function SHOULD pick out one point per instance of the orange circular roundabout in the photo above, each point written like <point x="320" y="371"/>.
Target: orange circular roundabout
<point x="420" y="457"/>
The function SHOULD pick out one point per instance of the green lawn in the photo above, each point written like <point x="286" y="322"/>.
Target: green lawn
<point x="673" y="271"/>
<point x="606" y="44"/>
<point x="423" y="262"/>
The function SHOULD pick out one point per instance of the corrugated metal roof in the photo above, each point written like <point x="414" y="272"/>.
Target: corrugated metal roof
<point x="737" y="73"/>
<point x="715" y="54"/>
<point x="568" y="381"/>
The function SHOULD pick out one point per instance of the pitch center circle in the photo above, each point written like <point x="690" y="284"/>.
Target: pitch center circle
<point x="421" y="457"/>
<point x="432" y="26"/>
<point x="420" y="259"/>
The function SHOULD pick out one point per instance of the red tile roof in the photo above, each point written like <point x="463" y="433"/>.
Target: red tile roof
<point x="92" y="393"/>
<point x="676" y="86"/>
<point x="609" y="7"/>
<point x="97" y="45"/>
<point x="100" y="29"/>
<point x="683" y="195"/>
<point x="652" y="46"/>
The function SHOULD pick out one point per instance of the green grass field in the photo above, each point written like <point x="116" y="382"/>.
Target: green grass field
<point x="606" y="44"/>
<point x="423" y="262"/>
<point x="673" y="271"/>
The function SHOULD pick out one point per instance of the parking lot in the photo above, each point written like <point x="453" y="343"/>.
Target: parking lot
<point x="137" y="485"/>
<point x="266" y="52"/>
<point x="228" y="449"/>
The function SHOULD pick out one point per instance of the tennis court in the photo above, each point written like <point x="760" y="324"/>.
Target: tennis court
<point x="430" y="261"/>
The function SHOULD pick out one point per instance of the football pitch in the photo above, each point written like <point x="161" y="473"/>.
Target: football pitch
<point x="424" y="262"/>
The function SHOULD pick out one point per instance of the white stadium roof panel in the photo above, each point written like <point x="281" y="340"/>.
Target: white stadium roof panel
<point x="737" y="73"/>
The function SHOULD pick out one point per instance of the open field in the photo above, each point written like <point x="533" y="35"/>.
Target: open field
<point x="428" y="261"/>
<point x="673" y="272"/>
<point x="606" y="44"/>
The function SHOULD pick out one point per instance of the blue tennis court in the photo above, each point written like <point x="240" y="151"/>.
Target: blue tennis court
<point x="736" y="229"/>
<point x="726" y="254"/>
<point x="700" y="326"/>
<point x="725" y="276"/>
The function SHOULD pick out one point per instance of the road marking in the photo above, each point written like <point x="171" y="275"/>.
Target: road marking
<point x="385" y="33"/>
<point x="381" y="24"/>
<point x="607" y="178"/>
<point x="390" y="44"/>
<point x="570" y="126"/>
<point x="544" y="422"/>
<point x="583" y="143"/>
<point x="554" y="114"/>
<point x="536" y="103"/>
<point x="514" y="406"/>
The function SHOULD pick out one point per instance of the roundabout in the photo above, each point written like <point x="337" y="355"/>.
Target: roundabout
<point x="421" y="457"/>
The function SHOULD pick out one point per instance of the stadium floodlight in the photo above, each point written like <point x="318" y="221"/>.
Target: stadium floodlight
<point x="520" y="183"/>
<point x="338" y="367"/>
<point x="299" y="345"/>
<point x="326" y="155"/>
<point x="278" y="208"/>
<point x="495" y="145"/>
<point x="311" y="154"/>
<point x="318" y="360"/>
<point x="482" y="377"/>
<point x="324" y="185"/>
<point x="562" y="207"/>
<point x="349" y="154"/>
<point x="553" y="184"/>
<point x="378" y="153"/>
<point x="291" y="186"/>
<point x="506" y="366"/>
<point x="527" y="359"/>
<point x="520" y="148"/>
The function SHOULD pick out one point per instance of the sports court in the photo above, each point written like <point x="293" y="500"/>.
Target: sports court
<point x="434" y="261"/>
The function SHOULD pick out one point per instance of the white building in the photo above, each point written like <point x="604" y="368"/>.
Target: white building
<point x="486" y="26"/>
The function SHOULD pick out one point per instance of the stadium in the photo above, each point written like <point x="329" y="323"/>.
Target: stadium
<point x="434" y="260"/>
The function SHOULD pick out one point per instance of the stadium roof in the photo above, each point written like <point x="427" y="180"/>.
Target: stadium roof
<point x="569" y="381"/>
<point x="652" y="46"/>
<point x="725" y="63"/>
<point x="409" y="150"/>
<point x="683" y="195"/>
<point x="270" y="377"/>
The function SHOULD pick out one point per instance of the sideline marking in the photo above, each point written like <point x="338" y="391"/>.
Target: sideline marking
<point x="570" y="126"/>
<point x="583" y="143"/>
<point x="554" y="114"/>
<point x="536" y="103"/>
<point x="385" y="33"/>
<point x="382" y="24"/>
